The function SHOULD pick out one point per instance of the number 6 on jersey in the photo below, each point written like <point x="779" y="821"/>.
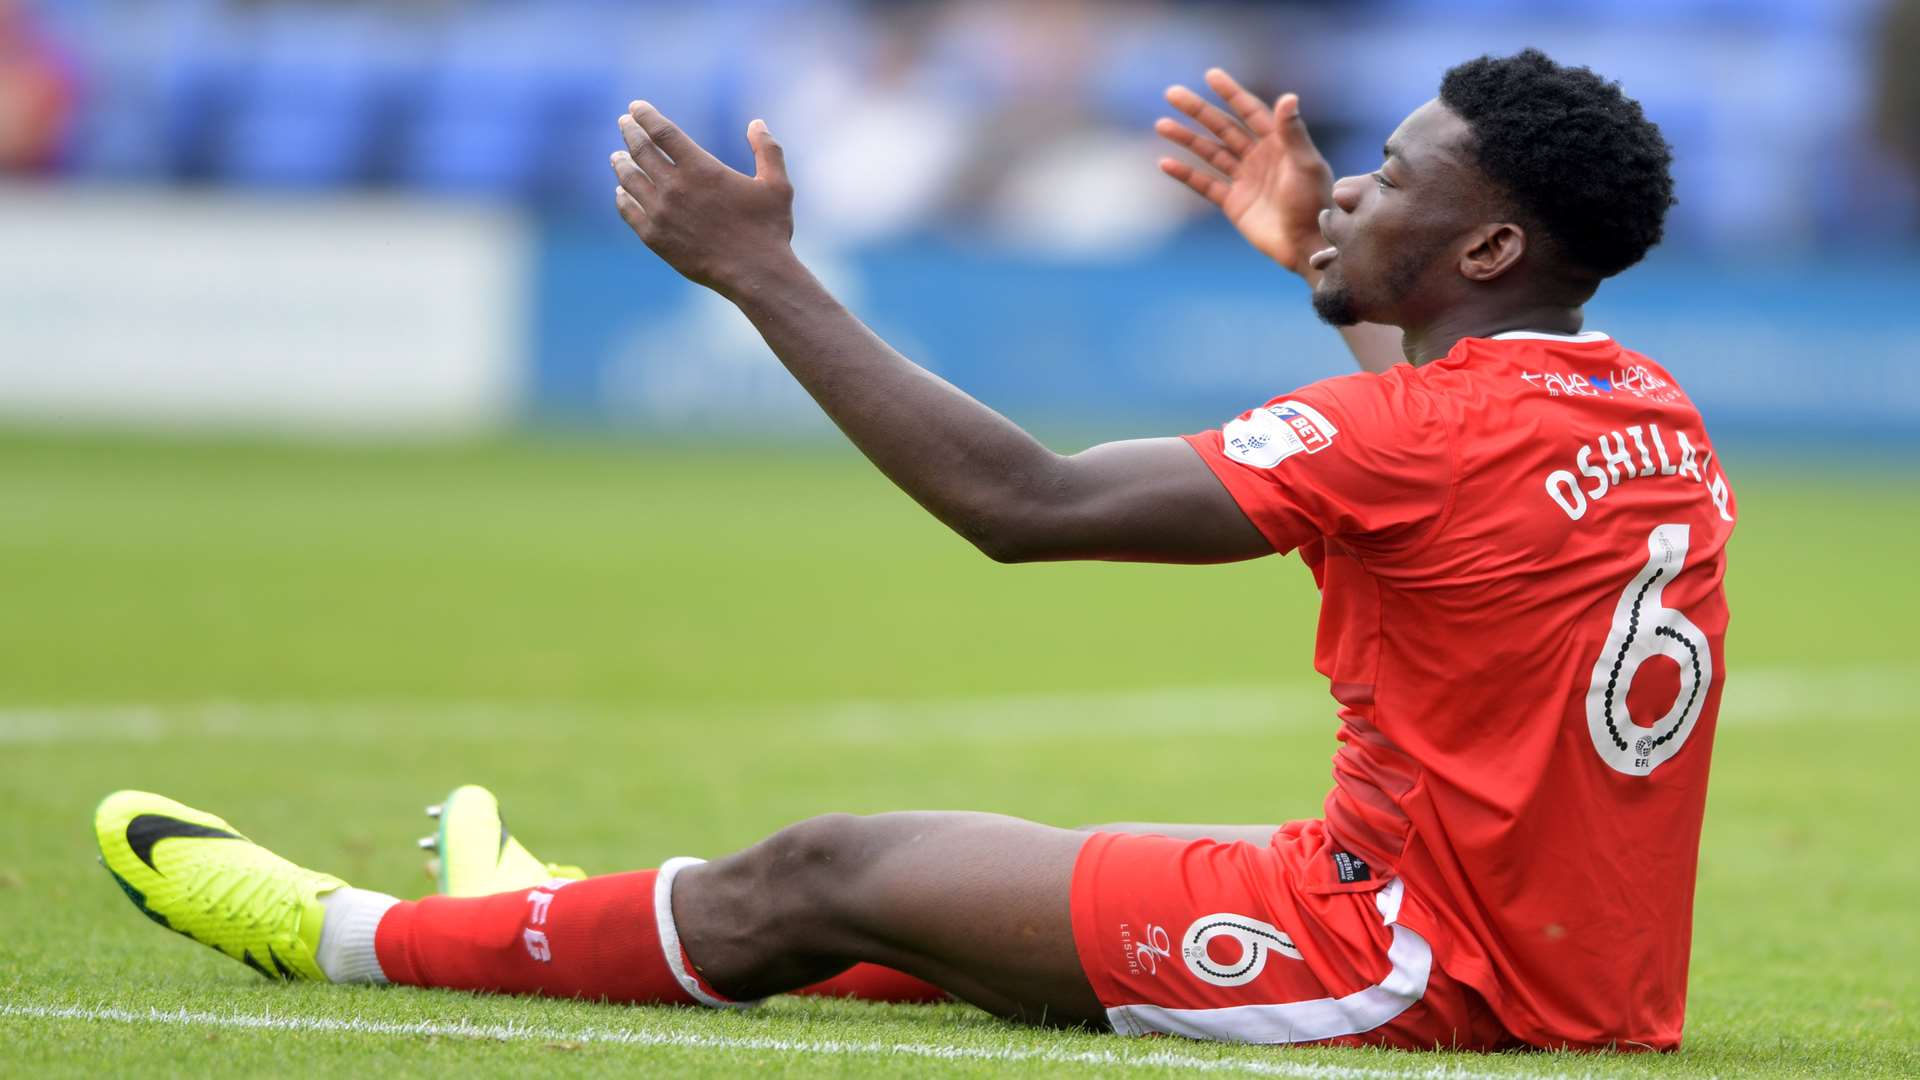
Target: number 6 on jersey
<point x="1643" y="628"/>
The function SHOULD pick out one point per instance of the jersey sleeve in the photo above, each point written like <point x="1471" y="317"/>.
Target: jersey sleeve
<point x="1366" y="458"/>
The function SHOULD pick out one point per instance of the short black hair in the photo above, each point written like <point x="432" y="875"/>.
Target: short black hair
<point x="1575" y="154"/>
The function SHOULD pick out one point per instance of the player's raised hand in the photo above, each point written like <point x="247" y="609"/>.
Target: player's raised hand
<point x="716" y="226"/>
<point x="1259" y="166"/>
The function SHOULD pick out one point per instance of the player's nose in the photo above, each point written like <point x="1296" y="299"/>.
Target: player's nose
<point x="1346" y="192"/>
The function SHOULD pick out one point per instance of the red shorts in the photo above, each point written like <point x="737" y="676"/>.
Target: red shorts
<point x="1289" y="943"/>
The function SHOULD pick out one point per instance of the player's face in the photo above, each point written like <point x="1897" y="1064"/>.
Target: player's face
<point x="1395" y="229"/>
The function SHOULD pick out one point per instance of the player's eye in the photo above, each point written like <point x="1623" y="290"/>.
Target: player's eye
<point x="1380" y="178"/>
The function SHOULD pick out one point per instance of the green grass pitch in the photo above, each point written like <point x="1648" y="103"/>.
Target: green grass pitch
<point x="651" y="652"/>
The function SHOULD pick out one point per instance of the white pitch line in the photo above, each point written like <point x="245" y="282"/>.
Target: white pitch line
<point x="1157" y="1059"/>
<point x="1757" y="697"/>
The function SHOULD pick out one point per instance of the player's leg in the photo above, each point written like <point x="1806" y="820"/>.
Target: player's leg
<point x="473" y="853"/>
<point x="871" y="981"/>
<point x="975" y="903"/>
<point x="876" y="982"/>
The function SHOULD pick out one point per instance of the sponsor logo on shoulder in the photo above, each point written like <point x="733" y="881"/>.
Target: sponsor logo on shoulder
<point x="1635" y="380"/>
<point x="1267" y="436"/>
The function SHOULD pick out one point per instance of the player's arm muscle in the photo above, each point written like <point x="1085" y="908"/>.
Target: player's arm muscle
<point x="1148" y="500"/>
<point x="972" y="468"/>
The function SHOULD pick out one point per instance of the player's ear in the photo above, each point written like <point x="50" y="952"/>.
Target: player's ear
<point x="1492" y="250"/>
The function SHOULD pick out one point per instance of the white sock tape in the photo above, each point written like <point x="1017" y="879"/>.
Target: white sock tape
<point x="670" y="936"/>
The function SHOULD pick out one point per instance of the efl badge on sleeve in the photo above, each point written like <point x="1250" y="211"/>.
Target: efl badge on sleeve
<point x="1265" y="437"/>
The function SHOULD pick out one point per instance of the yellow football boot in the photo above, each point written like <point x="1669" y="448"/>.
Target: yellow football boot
<point x="475" y="855"/>
<point x="194" y="874"/>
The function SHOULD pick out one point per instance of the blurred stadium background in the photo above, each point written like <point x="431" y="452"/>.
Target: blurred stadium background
<point x="394" y="216"/>
<point x="350" y="449"/>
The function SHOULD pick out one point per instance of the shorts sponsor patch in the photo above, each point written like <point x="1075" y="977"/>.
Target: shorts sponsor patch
<point x="1267" y="436"/>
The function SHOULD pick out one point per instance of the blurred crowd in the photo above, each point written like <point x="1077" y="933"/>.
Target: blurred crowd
<point x="1797" y="122"/>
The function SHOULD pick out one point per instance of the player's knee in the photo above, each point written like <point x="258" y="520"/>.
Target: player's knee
<point x="816" y="843"/>
<point x="812" y="862"/>
<point x="782" y="897"/>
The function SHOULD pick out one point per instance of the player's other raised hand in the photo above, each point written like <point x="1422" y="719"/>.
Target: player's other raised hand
<point x="1259" y="166"/>
<point x="716" y="226"/>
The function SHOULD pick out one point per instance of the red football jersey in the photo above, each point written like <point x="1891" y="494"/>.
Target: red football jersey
<point x="1520" y="549"/>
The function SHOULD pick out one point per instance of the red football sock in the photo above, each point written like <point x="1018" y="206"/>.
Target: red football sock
<point x="871" y="982"/>
<point x="608" y="938"/>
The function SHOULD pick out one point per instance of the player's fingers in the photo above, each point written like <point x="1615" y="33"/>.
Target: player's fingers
<point x="1207" y="185"/>
<point x="1224" y="127"/>
<point x="1293" y="130"/>
<point x="769" y="158"/>
<point x="632" y="180"/>
<point x="1250" y="109"/>
<point x="666" y="136"/>
<point x="1199" y="145"/>
<point x="646" y="153"/>
<point x="630" y="211"/>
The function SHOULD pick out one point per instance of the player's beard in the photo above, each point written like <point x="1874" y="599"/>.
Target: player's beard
<point x="1335" y="306"/>
<point x="1338" y="306"/>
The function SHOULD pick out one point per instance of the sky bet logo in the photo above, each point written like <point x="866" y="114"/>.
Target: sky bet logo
<point x="1313" y="431"/>
<point x="1265" y="437"/>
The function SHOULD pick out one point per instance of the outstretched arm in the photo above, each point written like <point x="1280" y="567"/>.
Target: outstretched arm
<point x="1150" y="500"/>
<point x="1260" y="167"/>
